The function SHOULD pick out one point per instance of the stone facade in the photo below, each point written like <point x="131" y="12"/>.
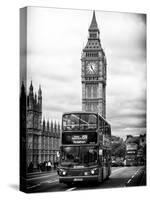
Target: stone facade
<point x="42" y="137"/>
<point x="94" y="72"/>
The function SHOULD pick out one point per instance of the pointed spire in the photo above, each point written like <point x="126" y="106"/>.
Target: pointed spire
<point x="44" y="124"/>
<point x="55" y="127"/>
<point x="39" y="91"/>
<point x="58" y="129"/>
<point x="51" y="127"/>
<point x="40" y="98"/>
<point x="22" y="86"/>
<point x="31" y="97"/>
<point x="48" y="125"/>
<point x="31" y="87"/>
<point x="93" y="25"/>
<point x="35" y="97"/>
<point x="23" y="90"/>
<point x="23" y="100"/>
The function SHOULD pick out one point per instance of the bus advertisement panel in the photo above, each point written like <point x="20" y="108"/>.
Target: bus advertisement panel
<point x="79" y="138"/>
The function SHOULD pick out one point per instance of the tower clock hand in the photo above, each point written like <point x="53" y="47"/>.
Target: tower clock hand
<point x="92" y="68"/>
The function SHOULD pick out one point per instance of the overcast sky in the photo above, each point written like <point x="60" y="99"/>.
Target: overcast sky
<point x="55" y="41"/>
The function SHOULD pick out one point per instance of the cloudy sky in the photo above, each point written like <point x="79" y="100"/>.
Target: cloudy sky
<point x="55" y="39"/>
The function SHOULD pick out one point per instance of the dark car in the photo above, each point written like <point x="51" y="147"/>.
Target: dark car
<point x="120" y="163"/>
<point x="115" y="163"/>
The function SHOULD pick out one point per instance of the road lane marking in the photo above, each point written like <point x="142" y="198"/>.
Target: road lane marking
<point x="116" y="170"/>
<point x="129" y="181"/>
<point x="137" y="170"/>
<point x="70" y="189"/>
<point x="56" y="180"/>
<point x="133" y="176"/>
<point x="52" y="181"/>
<point x="39" y="184"/>
<point x="34" y="178"/>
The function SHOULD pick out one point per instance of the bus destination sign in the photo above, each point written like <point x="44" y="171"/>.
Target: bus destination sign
<point x="79" y="139"/>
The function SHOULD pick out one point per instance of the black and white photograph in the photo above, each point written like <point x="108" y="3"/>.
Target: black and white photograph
<point x="82" y="100"/>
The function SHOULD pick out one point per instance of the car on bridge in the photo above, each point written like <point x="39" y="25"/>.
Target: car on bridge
<point x="117" y="163"/>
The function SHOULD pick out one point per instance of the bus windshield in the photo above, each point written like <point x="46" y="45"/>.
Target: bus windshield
<point x="79" y="122"/>
<point x="73" y="156"/>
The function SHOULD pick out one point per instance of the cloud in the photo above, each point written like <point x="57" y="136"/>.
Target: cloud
<point x="55" y="42"/>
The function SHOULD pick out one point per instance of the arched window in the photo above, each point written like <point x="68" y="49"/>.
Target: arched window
<point x="88" y="91"/>
<point x="95" y="91"/>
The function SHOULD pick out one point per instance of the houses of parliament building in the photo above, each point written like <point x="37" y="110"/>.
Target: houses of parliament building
<point x="39" y="138"/>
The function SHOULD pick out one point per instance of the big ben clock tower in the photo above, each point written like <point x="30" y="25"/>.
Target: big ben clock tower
<point x="94" y="72"/>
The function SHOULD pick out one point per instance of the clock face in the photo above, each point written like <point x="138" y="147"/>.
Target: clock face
<point x="91" y="68"/>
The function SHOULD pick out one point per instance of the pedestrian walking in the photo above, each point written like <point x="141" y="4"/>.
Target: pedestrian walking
<point x="49" y="165"/>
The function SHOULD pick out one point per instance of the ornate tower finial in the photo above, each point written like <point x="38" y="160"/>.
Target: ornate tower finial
<point x="23" y="89"/>
<point x="52" y="127"/>
<point x="31" y="97"/>
<point x="43" y="123"/>
<point x="35" y="97"/>
<point x="39" y="91"/>
<point x="40" y="98"/>
<point x="55" y="127"/>
<point x="31" y="87"/>
<point x="93" y="25"/>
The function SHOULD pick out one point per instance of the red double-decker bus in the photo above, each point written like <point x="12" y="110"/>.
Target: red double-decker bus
<point x="85" y="152"/>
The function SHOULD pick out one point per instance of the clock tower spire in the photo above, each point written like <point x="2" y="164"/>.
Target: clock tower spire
<point x="94" y="72"/>
<point x="93" y="25"/>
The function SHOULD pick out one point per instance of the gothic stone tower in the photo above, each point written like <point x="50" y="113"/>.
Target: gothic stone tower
<point x="34" y="118"/>
<point x="42" y="139"/>
<point x="94" y="72"/>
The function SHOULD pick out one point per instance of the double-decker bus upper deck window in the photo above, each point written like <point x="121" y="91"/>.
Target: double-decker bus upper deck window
<point x="88" y="121"/>
<point x="79" y="122"/>
<point x="71" y="122"/>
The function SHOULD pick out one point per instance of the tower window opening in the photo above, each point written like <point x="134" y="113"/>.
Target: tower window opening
<point x="92" y="35"/>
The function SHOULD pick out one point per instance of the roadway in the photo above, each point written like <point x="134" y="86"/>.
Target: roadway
<point x="120" y="177"/>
